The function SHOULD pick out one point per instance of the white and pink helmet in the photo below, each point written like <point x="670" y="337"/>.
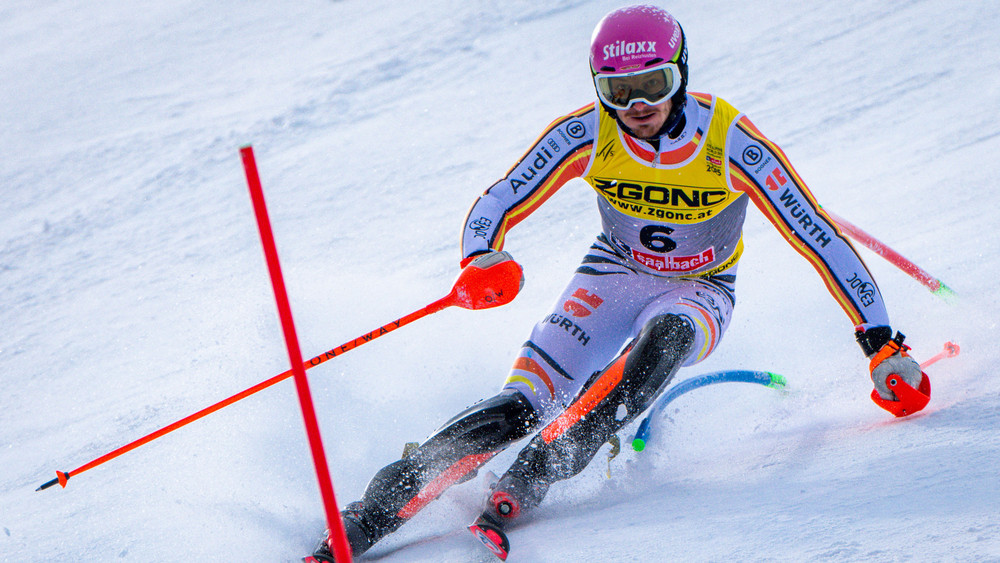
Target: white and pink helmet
<point x="638" y="53"/>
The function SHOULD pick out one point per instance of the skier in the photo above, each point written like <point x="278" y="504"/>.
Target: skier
<point x="673" y="171"/>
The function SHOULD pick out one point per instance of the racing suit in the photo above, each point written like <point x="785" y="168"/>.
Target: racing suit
<point x="655" y="292"/>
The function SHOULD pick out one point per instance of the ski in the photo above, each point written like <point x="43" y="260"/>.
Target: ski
<point x="491" y="536"/>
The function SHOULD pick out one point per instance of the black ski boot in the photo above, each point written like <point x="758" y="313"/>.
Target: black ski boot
<point x="489" y="531"/>
<point x="322" y="553"/>
<point x="512" y="493"/>
<point x="358" y="536"/>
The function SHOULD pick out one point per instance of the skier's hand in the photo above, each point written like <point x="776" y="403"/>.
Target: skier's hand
<point x="888" y="356"/>
<point x="492" y="258"/>
<point x="489" y="280"/>
<point x="485" y="259"/>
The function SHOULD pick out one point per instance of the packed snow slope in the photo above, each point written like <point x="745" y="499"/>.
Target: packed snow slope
<point x="133" y="289"/>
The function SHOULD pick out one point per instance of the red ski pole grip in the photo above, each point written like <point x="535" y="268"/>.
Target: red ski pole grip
<point x="910" y="400"/>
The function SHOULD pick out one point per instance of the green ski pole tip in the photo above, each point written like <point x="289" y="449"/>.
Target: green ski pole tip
<point x="638" y="444"/>
<point x="777" y="381"/>
<point x="946" y="293"/>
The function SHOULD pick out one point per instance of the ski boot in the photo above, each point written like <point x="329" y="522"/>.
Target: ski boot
<point x="490" y="532"/>
<point x="502" y="507"/>
<point x="358" y="537"/>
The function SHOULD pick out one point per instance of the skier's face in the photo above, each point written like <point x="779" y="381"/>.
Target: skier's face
<point x="645" y="120"/>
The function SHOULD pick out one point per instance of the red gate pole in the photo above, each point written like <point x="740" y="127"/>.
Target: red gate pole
<point x="341" y="549"/>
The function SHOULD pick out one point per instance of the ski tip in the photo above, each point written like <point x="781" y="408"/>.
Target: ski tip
<point x="492" y="538"/>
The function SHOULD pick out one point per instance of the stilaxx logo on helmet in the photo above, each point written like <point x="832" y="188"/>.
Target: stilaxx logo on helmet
<point x="619" y="48"/>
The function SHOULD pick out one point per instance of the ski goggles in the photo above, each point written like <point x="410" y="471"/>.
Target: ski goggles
<point x="652" y="86"/>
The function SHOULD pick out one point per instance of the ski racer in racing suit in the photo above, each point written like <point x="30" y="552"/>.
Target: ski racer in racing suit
<point x="673" y="172"/>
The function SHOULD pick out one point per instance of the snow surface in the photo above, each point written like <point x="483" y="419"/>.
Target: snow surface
<point x="133" y="289"/>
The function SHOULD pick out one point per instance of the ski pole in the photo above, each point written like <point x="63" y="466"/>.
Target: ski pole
<point x="936" y="286"/>
<point x="950" y="351"/>
<point x="477" y="287"/>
